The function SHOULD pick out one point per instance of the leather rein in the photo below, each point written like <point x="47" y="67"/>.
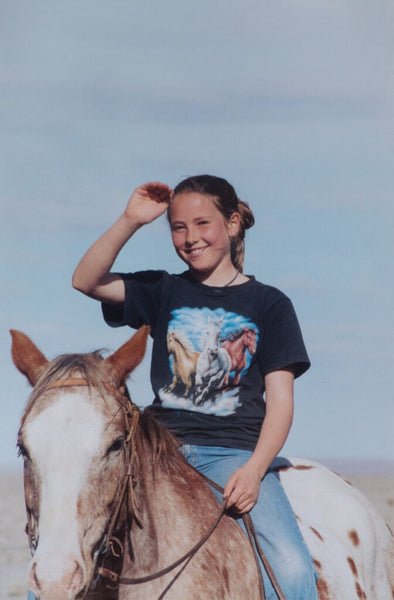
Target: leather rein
<point x="126" y="493"/>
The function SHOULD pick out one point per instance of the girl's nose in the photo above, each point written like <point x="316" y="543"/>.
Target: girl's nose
<point x="191" y="236"/>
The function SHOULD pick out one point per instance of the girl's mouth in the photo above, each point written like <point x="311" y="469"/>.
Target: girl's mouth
<point x="195" y="251"/>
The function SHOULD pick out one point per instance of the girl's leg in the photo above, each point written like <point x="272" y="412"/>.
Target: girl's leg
<point x="273" y="519"/>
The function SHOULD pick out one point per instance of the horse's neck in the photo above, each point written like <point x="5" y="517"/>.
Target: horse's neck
<point x="237" y="345"/>
<point x="244" y="343"/>
<point x="181" y="349"/>
<point x="170" y="520"/>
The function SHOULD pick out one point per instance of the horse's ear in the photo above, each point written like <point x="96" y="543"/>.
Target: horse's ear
<point x="129" y="356"/>
<point x="27" y="357"/>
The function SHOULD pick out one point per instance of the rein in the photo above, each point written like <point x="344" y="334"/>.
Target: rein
<point x="256" y="548"/>
<point x="186" y="558"/>
<point x="126" y="492"/>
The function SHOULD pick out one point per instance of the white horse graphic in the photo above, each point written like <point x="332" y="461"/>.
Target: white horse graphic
<point x="213" y="364"/>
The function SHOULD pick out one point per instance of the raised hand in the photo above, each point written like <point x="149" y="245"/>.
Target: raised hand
<point x="148" y="202"/>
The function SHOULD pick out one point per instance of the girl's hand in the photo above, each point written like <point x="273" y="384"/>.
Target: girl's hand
<point x="242" y="489"/>
<point x="148" y="202"/>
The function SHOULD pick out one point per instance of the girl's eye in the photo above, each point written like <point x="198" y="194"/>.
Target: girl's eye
<point x="177" y="228"/>
<point x="116" y="446"/>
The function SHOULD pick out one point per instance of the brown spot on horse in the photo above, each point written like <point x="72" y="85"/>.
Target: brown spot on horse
<point x="316" y="533"/>
<point x="352" y="566"/>
<point x="354" y="538"/>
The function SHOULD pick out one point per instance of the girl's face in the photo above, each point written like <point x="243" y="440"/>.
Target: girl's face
<point x="200" y="234"/>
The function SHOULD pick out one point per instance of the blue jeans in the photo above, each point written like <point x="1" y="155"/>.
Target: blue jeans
<point x="273" y="519"/>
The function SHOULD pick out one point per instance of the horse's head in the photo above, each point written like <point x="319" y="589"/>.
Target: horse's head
<point x="170" y="341"/>
<point x="73" y="438"/>
<point x="212" y="334"/>
<point x="251" y="340"/>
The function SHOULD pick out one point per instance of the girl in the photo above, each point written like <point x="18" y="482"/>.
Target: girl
<point x="226" y="350"/>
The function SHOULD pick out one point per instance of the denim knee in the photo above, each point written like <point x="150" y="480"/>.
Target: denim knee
<point x="296" y="575"/>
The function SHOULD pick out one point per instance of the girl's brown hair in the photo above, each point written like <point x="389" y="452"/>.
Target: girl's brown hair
<point x="227" y="202"/>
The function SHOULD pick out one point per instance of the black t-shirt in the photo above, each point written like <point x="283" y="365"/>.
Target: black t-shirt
<point x="212" y="348"/>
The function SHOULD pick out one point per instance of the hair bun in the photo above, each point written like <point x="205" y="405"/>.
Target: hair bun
<point x="247" y="216"/>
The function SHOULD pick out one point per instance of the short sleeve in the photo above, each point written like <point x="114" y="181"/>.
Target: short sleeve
<point x="282" y="342"/>
<point x="143" y="295"/>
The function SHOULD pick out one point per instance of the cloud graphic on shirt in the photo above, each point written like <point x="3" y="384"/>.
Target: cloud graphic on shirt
<point x="222" y="405"/>
<point x="193" y="322"/>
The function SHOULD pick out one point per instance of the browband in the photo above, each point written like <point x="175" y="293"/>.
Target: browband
<point x="70" y="382"/>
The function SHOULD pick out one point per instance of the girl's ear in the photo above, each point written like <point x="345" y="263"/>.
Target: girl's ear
<point x="234" y="224"/>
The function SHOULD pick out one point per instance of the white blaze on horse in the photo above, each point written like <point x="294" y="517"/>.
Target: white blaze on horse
<point x="107" y="492"/>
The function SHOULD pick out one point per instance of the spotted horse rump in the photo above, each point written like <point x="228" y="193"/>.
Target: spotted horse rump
<point x="352" y="547"/>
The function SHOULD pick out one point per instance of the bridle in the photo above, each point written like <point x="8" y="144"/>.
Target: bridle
<point x="109" y="543"/>
<point x="131" y="417"/>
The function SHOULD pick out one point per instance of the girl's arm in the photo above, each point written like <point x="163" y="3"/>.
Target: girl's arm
<point x="242" y="488"/>
<point x="92" y="275"/>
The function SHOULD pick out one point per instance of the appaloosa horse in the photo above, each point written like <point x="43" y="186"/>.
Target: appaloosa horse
<point x="108" y="493"/>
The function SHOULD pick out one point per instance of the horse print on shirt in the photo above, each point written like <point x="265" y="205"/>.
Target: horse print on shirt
<point x="209" y="351"/>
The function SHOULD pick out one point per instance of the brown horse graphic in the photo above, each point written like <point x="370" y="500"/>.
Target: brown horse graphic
<point x="236" y="345"/>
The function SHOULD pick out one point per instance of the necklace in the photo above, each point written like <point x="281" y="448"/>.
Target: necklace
<point x="233" y="279"/>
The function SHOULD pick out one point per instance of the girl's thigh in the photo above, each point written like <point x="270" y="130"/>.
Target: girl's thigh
<point x="273" y="516"/>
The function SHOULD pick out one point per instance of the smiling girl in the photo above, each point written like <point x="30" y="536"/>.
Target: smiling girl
<point x="226" y="350"/>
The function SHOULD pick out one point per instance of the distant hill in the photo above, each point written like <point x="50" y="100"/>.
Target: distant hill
<point x="343" y="466"/>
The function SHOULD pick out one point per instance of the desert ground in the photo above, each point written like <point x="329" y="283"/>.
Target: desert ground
<point x="14" y="553"/>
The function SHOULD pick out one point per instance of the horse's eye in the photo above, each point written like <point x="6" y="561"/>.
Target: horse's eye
<point x="23" y="452"/>
<point x="116" y="446"/>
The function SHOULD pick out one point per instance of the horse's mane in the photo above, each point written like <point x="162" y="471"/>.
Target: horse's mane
<point x="182" y="341"/>
<point x="233" y="337"/>
<point x="161" y="447"/>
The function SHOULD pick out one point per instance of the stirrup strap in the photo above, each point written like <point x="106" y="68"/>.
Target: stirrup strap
<point x="247" y="519"/>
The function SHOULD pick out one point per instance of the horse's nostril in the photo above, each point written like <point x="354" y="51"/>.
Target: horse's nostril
<point x="77" y="578"/>
<point x="50" y="580"/>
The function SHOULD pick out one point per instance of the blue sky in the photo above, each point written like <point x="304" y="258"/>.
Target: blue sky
<point x="291" y="101"/>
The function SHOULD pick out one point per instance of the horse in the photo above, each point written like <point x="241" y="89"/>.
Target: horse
<point x="213" y="363"/>
<point x="184" y="361"/>
<point x="236" y="346"/>
<point x="112" y="505"/>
